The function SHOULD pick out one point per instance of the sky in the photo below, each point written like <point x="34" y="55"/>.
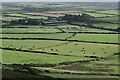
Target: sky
<point x="59" y="0"/>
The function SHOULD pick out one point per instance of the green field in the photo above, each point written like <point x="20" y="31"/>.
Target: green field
<point x="110" y="38"/>
<point x="109" y="12"/>
<point x="106" y="25"/>
<point x="10" y="18"/>
<point x="50" y="36"/>
<point x="84" y="49"/>
<point x="85" y="46"/>
<point x="99" y="15"/>
<point x="29" y="30"/>
<point x="27" y="16"/>
<point x="12" y="57"/>
<point x="74" y="13"/>
<point x="26" y="44"/>
<point x="109" y="19"/>
<point x="74" y="48"/>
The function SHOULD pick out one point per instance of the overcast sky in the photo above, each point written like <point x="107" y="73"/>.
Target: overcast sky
<point x="60" y="0"/>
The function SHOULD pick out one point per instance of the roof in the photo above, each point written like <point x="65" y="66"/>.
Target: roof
<point x="55" y="22"/>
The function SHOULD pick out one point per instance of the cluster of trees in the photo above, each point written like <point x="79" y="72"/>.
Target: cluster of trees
<point x="69" y="18"/>
<point x="78" y="18"/>
<point x="29" y="21"/>
<point x="26" y="22"/>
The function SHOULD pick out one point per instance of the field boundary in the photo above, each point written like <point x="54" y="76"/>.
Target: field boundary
<point x="59" y="40"/>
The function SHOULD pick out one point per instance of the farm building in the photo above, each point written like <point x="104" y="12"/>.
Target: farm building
<point x="54" y="23"/>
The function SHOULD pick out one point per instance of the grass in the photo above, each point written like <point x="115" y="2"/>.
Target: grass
<point x="109" y="12"/>
<point x="28" y="16"/>
<point x="111" y="38"/>
<point x="67" y="26"/>
<point x="74" y="28"/>
<point x="74" y="13"/>
<point x="63" y="47"/>
<point x="72" y="76"/>
<point x="112" y="60"/>
<point x="50" y="36"/>
<point x="10" y="8"/>
<point x="86" y="29"/>
<point x="10" y="18"/>
<point x="111" y="19"/>
<point x="35" y="58"/>
<point x="29" y="30"/>
<point x="26" y="44"/>
<point x="84" y="49"/>
<point x="98" y="15"/>
<point x="106" y="25"/>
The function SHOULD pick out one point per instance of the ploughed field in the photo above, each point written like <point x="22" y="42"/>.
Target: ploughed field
<point x="71" y="50"/>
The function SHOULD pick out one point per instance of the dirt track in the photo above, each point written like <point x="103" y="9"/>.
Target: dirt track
<point x="77" y="72"/>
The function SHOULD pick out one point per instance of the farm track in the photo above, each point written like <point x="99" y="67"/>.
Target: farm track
<point x="76" y="72"/>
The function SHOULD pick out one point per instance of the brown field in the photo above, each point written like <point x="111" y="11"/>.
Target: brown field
<point x="61" y="12"/>
<point x="43" y="14"/>
<point x="51" y="13"/>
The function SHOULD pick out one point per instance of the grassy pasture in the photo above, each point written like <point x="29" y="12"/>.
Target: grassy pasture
<point x="71" y="76"/>
<point x="109" y="12"/>
<point x="36" y="58"/>
<point x="84" y="49"/>
<point x="4" y="23"/>
<point x="28" y="16"/>
<point x="106" y="25"/>
<point x="50" y="36"/>
<point x="11" y="8"/>
<point x="28" y="30"/>
<point x="68" y="26"/>
<point x="74" y="28"/>
<point x="74" y="13"/>
<point x="86" y="29"/>
<point x="10" y="18"/>
<point x="74" y="48"/>
<point x="111" y="38"/>
<point x="112" y="60"/>
<point x="111" y="19"/>
<point x="98" y="15"/>
<point x="26" y="44"/>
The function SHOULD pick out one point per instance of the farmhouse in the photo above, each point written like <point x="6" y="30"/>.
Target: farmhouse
<point x="54" y="23"/>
